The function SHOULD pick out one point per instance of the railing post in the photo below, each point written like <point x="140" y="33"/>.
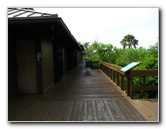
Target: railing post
<point x="113" y="75"/>
<point x="122" y="82"/>
<point x="144" y="91"/>
<point x="128" y="85"/>
<point x="117" y="78"/>
<point x="129" y="88"/>
<point x="109" y="73"/>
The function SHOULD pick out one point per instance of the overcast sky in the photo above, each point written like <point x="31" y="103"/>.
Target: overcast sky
<point x="110" y="25"/>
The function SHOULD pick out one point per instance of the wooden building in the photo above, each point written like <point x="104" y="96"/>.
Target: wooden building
<point x="41" y="50"/>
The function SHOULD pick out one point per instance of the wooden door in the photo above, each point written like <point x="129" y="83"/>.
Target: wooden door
<point x="26" y="66"/>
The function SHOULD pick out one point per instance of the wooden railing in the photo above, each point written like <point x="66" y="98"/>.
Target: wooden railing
<point x="125" y="80"/>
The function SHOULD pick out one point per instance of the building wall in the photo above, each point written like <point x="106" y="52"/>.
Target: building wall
<point x="12" y="67"/>
<point x="58" y="59"/>
<point x="57" y="56"/>
<point x="26" y="61"/>
<point x="47" y="64"/>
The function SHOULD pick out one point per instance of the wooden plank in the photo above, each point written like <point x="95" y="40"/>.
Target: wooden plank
<point x="80" y="98"/>
<point x="144" y="111"/>
<point x="69" y="116"/>
<point x="124" y="110"/>
<point x="113" y="110"/>
<point x="135" y="73"/>
<point x="85" y="112"/>
<point x="90" y="113"/>
<point x="104" y="112"/>
<point x="137" y="116"/>
<point x="65" y="110"/>
<point x="145" y="88"/>
<point x="118" y="112"/>
<point x="54" y="110"/>
<point x="129" y="110"/>
<point x="79" y="113"/>
<point x="44" y="111"/>
<point x="95" y="118"/>
<point x="108" y="110"/>
<point x="99" y="111"/>
<point x="75" y="111"/>
<point x="150" y="105"/>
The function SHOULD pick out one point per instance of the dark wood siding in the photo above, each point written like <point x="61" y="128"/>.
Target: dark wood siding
<point x="26" y="66"/>
<point x="12" y="68"/>
<point x="47" y="64"/>
<point x="58" y="59"/>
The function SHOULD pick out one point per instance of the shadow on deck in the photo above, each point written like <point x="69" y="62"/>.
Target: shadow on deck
<point x="82" y="98"/>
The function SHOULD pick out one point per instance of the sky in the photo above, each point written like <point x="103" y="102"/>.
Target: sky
<point x="110" y="25"/>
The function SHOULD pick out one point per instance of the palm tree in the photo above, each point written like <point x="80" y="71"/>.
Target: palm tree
<point x="123" y="43"/>
<point x="135" y="42"/>
<point x="86" y="45"/>
<point x="129" y="40"/>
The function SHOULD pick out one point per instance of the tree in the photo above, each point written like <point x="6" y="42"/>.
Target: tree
<point x="123" y="43"/>
<point x="86" y="45"/>
<point x="135" y="42"/>
<point x="129" y="40"/>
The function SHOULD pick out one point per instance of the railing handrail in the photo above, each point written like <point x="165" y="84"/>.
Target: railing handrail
<point x="113" y="71"/>
<point x="136" y="73"/>
<point x="114" y="67"/>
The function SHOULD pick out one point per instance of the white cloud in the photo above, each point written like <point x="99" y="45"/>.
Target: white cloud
<point x="110" y="25"/>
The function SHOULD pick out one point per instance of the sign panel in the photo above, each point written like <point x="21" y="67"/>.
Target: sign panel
<point x="130" y="66"/>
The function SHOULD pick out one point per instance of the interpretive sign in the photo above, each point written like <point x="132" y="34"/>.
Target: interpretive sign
<point x="129" y="66"/>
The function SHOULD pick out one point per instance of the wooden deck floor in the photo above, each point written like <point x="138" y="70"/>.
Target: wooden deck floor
<point x="82" y="98"/>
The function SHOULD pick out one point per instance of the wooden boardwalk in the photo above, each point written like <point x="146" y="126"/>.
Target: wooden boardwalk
<point x="82" y="98"/>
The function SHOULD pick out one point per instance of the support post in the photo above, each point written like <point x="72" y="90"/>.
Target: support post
<point x="129" y="88"/>
<point x="144" y="92"/>
<point x="122" y="82"/>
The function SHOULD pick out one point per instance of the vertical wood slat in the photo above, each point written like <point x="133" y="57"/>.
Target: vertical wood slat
<point x="111" y="74"/>
<point x="117" y="78"/>
<point x="127" y="86"/>
<point x="122" y="82"/>
<point x="144" y="85"/>
<point x="131" y="88"/>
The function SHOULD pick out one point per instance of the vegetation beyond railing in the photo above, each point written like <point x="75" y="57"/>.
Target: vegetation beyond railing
<point x="125" y="80"/>
<point x="92" y="64"/>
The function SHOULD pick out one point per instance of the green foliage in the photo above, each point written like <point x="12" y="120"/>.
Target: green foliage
<point x="108" y="53"/>
<point x="129" y="40"/>
<point x="122" y="57"/>
<point x="130" y="55"/>
<point x="99" y="52"/>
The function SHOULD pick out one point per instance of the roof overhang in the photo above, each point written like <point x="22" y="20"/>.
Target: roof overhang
<point x="51" y="20"/>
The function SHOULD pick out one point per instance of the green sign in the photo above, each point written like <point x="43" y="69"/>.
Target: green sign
<point x="129" y="66"/>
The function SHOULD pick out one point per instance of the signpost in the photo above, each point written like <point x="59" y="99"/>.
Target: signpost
<point x="129" y="80"/>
